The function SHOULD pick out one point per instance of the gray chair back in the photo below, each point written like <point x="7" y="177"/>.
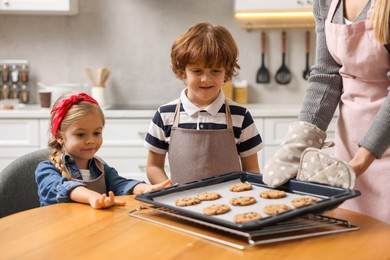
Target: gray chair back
<point x="18" y="189"/>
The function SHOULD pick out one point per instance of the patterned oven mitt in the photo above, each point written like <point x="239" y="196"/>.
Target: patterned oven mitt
<point x="317" y="166"/>
<point x="285" y="162"/>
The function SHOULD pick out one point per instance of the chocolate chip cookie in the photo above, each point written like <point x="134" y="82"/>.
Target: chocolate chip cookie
<point x="183" y="202"/>
<point x="246" y="217"/>
<point x="302" y="201"/>
<point x="216" y="209"/>
<point x="242" y="201"/>
<point x="208" y="196"/>
<point x="274" y="209"/>
<point x="272" y="194"/>
<point x="240" y="187"/>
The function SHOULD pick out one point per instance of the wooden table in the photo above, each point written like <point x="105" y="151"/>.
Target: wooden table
<point x="76" y="231"/>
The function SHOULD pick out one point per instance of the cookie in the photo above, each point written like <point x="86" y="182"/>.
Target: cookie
<point x="272" y="194"/>
<point x="216" y="209"/>
<point x="243" y="201"/>
<point x="274" y="209"/>
<point x="208" y="196"/>
<point x="183" y="202"/>
<point x="240" y="187"/>
<point x="246" y="217"/>
<point x="302" y="201"/>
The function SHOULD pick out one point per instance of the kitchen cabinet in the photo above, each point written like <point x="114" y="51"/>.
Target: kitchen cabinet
<point x="265" y="5"/>
<point x="257" y="14"/>
<point x="41" y="7"/>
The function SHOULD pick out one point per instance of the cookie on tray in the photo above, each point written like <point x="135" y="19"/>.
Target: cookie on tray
<point x="240" y="187"/>
<point x="274" y="209"/>
<point x="183" y="202"/>
<point x="209" y="196"/>
<point x="216" y="209"/>
<point x="243" y="201"/>
<point x="302" y="201"/>
<point x="272" y="194"/>
<point x="246" y="217"/>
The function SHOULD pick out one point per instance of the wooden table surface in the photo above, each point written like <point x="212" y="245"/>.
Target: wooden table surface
<point x="76" y="231"/>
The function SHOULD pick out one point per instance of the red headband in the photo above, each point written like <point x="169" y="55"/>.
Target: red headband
<point x="62" y="107"/>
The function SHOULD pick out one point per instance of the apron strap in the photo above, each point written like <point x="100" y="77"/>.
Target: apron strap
<point x="176" y="117"/>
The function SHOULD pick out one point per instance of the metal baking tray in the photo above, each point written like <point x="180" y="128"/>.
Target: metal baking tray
<point x="328" y="198"/>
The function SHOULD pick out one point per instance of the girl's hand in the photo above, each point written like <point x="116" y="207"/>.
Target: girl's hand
<point x="101" y="201"/>
<point x="143" y="187"/>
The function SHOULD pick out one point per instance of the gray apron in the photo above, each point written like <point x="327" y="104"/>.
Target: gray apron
<point x="98" y="184"/>
<point x="197" y="154"/>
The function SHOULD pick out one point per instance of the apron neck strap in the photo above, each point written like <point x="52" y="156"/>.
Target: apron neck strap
<point x="176" y="117"/>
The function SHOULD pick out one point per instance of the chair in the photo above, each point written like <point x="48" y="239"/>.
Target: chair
<point x="18" y="189"/>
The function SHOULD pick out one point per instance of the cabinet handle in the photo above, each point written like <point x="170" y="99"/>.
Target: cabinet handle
<point x="5" y="2"/>
<point x="142" y="168"/>
<point x="300" y="2"/>
<point x="309" y="2"/>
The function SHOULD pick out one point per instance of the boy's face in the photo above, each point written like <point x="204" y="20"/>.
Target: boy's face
<point x="204" y="84"/>
<point x="83" y="138"/>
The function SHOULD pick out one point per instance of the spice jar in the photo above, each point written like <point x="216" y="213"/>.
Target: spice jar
<point x="14" y="74"/>
<point x="24" y="73"/>
<point x="14" y="93"/>
<point x="5" y="73"/>
<point x="5" y="92"/>
<point x="24" y="95"/>
<point x="241" y="91"/>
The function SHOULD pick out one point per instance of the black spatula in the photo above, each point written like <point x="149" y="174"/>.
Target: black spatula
<point x="306" y="72"/>
<point x="283" y="75"/>
<point x="262" y="75"/>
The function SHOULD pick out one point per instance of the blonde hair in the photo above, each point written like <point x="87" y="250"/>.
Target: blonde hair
<point x="380" y="20"/>
<point x="75" y="112"/>
<point x="207" y="45"/>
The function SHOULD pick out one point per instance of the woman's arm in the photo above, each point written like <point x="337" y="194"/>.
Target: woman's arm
<point x="325" y="84"/>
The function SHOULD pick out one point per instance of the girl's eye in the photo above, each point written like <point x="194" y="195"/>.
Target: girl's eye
<point x="80" y="134"/>
<point x="97" y="133"/>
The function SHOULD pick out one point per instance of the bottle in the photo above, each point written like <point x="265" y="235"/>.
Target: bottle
<point x="24" y="95"/>
<point x="24" y="74"/>
<point x="14" y="93"/>
<point x="5" y="92"/>
<point x="241" y="92"/>
<point x="5" y="73"/>
<point x="14" y="74"/>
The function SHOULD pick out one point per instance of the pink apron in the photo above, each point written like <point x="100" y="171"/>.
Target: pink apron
<point x="365" y="89"/>
<point x="198" y="154"/>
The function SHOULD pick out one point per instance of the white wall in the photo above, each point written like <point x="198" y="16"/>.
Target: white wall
<point x="134" y="37"/>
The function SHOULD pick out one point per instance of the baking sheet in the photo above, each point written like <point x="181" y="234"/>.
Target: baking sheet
<point x="328" y="198"/>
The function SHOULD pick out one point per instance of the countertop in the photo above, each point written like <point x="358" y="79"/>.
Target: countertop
<point x="256" y="110"/>
<point x="77" y="231"/>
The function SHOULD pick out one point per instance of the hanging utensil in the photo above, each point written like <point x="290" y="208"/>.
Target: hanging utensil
<point x="283" y="75"/>
<point x="306" y="72"/>
<point x="262" y="75"/>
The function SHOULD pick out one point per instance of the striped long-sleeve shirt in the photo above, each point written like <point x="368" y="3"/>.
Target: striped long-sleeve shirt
<point x="247" y="138"/>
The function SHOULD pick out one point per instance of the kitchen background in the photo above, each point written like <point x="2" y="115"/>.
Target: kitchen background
<point x="133" y="38"/>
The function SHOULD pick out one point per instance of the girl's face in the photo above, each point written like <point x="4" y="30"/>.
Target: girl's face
<point x="83" y="138"/>
<point x="204" y="84"/>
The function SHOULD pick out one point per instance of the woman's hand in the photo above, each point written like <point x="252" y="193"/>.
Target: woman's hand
<point x="143" y="187"/>
<point x="361" y="161"/>
<point x="101" y="201"/>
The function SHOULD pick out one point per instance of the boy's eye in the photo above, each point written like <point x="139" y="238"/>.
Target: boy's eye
<point x="80" y="134"/>
<point x="97" y="133"/>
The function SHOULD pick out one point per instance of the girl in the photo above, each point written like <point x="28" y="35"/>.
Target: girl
<point x="203" y="133"/>
<point x="73" y="173"/>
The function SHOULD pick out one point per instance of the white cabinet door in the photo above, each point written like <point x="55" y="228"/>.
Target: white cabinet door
<point x="66" y="7"/>
<point x="17" y="137"/>
<point x="123" y="146"/>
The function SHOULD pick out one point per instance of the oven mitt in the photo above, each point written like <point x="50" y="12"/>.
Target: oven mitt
<point x="285" y="162"/>
<point x="317" y="166"/>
